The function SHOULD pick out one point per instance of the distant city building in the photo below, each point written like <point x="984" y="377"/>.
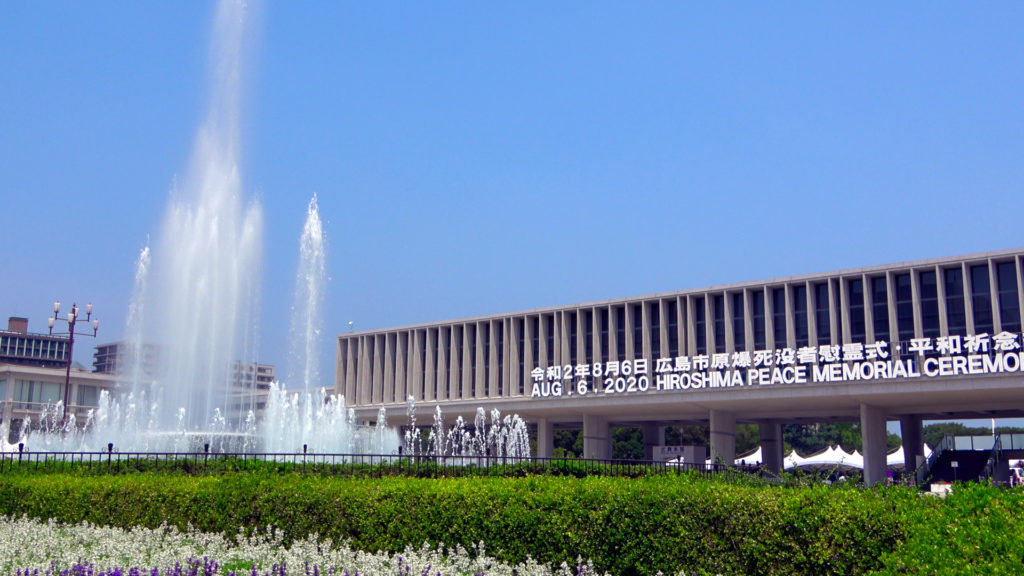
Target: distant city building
<point x="250" y="389"/>
<point x="26" y="391"/>
<point x="33" y="368"/>
<point x="18" y="346"/>
<point x="252" y="375"/>
<point x="120" y="358"/>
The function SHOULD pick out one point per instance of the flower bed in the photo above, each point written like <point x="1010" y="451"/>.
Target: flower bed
<point x="33" y="547"/>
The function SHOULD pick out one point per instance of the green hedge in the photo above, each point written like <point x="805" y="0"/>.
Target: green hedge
<point x="626" y="526"/>
<point x="978" y="530"/>
<point x="368" y="467"/>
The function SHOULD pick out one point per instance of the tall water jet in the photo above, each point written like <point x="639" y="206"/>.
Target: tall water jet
<point x="136" y="319"/>
<point x="201" y="302"/>
<point x="306" y="323"/>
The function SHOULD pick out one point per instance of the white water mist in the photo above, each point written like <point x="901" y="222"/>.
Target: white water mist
<point x="307" y="310"/>
<point x="200" y="304"/>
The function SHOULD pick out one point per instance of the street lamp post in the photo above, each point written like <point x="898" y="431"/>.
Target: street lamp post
<point x="71" y="320"/>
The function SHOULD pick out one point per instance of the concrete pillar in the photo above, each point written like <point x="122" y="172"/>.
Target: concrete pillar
<point x="544" y="327"/>
<point x="351" y="349"/>
<point x="545" y="438"/>
<point x="654" y="435"/>
<point x="529" y="362"/>
<point x="443" y="360"/>
<point x="414" y="367"/>
<point x="912" y="431"/>
<point x="515" y="377"/>
<point x="466" y="375"/>
<point x="431" y="370"/>
<point x="389" y="380"/>
<point x="340" y="369"/>
<point x="493" y="351"/>
<point x="872" y="430"/>
<point x="613" y="334"/>
<point x="597" y="438"/>
<point x="723" y="437"/>
<point x="771" y="446"/>
<point x="507" y="380"/>
<point x="965" y="270"/>
<point x="377" y="383"/>
<point x="454" y="366"/>
<point x="362" y="369"/>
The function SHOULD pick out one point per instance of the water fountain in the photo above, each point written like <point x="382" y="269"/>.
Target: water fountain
<point x="306" y="325"/>
<point x="309" y="420"/>
<point x="506" y="437"/>
<point x="202" y="299"/>
<point x="193" y="316"/>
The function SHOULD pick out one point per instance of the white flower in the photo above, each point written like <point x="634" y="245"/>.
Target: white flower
<point x="28" y="544"/>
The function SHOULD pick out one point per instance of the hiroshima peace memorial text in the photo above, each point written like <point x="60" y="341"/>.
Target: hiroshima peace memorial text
<point x="920" y="357"/>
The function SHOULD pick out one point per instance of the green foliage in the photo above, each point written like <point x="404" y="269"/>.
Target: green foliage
<point x="933" y="433"/>
<point x="626" y="526"/>
<point x="568" y="443"/>
<point x="628" y="443"/>
<point x="748" y="438"/>
<point x="694" y="435"/>
<point x="809" y="439"/>
<point x="974" y="530"/>
<point x="370" y="467"/>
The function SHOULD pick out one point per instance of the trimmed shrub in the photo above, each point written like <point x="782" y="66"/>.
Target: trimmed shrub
<point x="625" y="526"/>
<point x="978" y="529"/>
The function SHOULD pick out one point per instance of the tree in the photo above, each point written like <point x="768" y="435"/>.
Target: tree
<point x="748" y="438"/>
<point x="568" y="443"/>
<point x="694" y="435"/>
<point x="932" y="434"/>
<point x="628" y="443"/>
<point x="809" y="439"/>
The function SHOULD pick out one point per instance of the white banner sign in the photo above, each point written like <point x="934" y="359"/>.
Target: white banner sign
<point x="975" y="354"/>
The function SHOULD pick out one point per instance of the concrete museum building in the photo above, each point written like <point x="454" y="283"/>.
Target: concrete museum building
<point x="914" y="341"/>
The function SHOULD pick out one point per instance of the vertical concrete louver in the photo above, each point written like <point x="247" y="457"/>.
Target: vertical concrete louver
<point x="493" y="357"/>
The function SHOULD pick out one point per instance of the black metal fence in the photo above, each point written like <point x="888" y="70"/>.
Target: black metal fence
<point x="356" y="465"/>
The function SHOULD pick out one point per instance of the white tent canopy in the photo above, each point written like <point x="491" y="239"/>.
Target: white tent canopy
<point x="752" y="459"/>
<point x="836" y="457"/>
<point x="831" y="457"/>
<point x="793" y="460"/>
<point x="895" y="459"/>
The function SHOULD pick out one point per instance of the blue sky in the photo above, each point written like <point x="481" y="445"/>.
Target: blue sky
<point x="479" y="158"/>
